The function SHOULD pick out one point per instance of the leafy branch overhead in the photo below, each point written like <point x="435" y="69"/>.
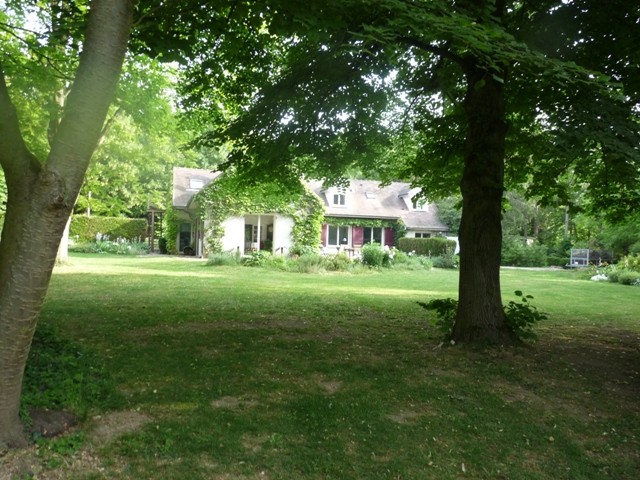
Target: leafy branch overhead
<point x="339" y="83"/>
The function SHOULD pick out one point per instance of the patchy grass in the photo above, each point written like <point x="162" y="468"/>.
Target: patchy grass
<point x="238" y="373"/>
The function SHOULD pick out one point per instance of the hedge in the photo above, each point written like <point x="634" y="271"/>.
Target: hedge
<point x="86" y="228"/>
<point x="434" y="246"/>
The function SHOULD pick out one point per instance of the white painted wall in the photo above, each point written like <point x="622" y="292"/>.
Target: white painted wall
<point x="282" y="233"/>
<point x="233" y="237"/>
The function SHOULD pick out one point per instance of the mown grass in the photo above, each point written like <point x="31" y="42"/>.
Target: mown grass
<point x="251" y="373"/>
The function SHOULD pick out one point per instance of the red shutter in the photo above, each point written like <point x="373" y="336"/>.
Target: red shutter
<point x="323" y="237"/>
<point x="389" y="236"/>
<point x="357" y="237"/>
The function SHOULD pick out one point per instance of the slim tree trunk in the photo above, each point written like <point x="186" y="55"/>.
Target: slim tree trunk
<point x="41" y="196"/>
<point x="480" y="317"/>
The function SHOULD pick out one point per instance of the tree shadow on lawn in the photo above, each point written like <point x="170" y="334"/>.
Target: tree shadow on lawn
<point x="585" y="380"/>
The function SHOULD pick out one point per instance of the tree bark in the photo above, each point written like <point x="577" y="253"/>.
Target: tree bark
<point x="480" y="317"/>
<point x="41" y="196"/>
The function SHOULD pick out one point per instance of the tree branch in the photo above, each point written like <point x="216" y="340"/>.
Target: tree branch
<point x="88" y="102"/>
<point x="15" y="157"/>
<point x="428" y="47"/>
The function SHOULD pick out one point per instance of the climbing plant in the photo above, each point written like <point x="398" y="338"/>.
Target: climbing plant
<point x="232" y="196"/>
<point x="398" y="226"/>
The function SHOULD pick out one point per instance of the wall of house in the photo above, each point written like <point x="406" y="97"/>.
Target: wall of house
<point x="282" y="234"/>
<point x="233" y="238"/>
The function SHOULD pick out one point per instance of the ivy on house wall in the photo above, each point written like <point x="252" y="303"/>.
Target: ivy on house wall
<point x="171" y="228"/>
<point x="398" y="226"/>
<point x="228" y="196"/>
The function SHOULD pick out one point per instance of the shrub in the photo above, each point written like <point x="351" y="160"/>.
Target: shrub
<point x="222" y="259"/>
<point x="631" y="262"/>
<point x="310" y="263"/>
<point x="374" y="255"/>
<point x="277" y="262"/>
<point x="427" y="246"/>
<point x="557" y="261"/>
<point x="516" y="253"/>
<point x="300" y="250"/>
<point x="520" y="315"/>
<point x="445" y="309"/>
<point x="400" y="257"/>
<point x="162" y="246"/>
<point x="87" y="229"/>
<point x="413" y="262"/>
<point x="256" y="259"/>
<point x="445" y="261"/>
<point x="339" y="262"/>
<point x="116" y="248"/>
<point x="628" y="277"/>
<point x="613" y="273"/>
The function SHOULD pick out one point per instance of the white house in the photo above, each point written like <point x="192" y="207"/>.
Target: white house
<point x="359" y="213"/>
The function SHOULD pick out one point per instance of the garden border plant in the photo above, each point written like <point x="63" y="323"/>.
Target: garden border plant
<point x="521" y="316"/>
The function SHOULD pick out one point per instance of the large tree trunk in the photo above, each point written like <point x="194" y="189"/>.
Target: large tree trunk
<point x="33" y="226"/>
<point x="41" y="196"/>
<point x="480" y="317"/>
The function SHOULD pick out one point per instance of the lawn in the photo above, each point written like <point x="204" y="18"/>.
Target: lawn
<point x="245" y="373"/>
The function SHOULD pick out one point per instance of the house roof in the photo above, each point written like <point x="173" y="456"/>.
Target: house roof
<point x="366" y="199"/>
<point x="189" y="181"/>
<point x="363" y="199"/>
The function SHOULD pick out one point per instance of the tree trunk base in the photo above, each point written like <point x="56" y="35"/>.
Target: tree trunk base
<point x="502" y="337"/>
<point x="13" y="437"/>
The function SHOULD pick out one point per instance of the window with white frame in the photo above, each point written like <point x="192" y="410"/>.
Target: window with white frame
<point x="337" y="235"/>
<point x="340" y="197"/>
<point x="422" y="235"/>
<point x="373" y="234"/>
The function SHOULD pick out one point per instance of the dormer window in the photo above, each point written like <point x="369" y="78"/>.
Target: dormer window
<point x="339" y="197"/>
<point x="196" y="184"/>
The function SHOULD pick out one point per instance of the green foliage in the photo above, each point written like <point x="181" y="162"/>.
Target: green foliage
<point x="61" y="374"/>
<point x="162" y="246"/>
<point x="86" y="229"/>
<point x="516" y="253"/>
<point x="374" y="255"/>
<point x="171" y="227"/>
<point x="115" y="248"/>
<point x="445" y="310"/>
<point x="628" y="277"/>
<point x="257" y="259"/>
<point x="402" y="261"/>
<point x="398" y="226"/>
<point x="301" y="249"/>
<point x="230" y="195"/>
<point x="434" y="246"/>
<point x="223" y="259"/>
<point x="450" y="212"/>
<point x="631" y="262"/>
<point x="447" y="260"/>
<point x="309" y="263"/>
<point x="520" y="315"/>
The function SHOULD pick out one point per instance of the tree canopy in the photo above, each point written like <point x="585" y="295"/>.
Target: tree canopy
<point x="471" y="96"/>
